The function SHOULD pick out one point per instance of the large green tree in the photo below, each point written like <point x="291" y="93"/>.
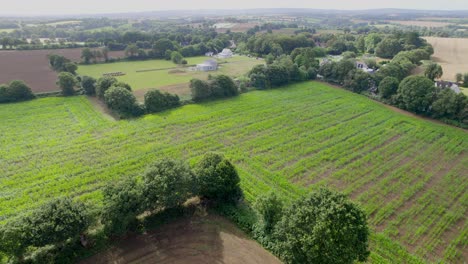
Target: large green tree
<point x="103" y="84"/>
<point x="433" y="71"/>
<point x="388" y="87"/>
<point x="120" y="100"/>
<point x="323" y="227"/>
<point x="217" y="179"/>
<point x="167" y="183"/>
<point x="416" y="94"/>
<point x="67" y="82"/>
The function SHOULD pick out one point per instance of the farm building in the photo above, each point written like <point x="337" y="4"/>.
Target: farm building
<point x="208" y="65"/>
<point x="453" y="86"/>
<point x="209" y="54"/>
<point x="226" y="53"/>
<point x="363" y="66"/>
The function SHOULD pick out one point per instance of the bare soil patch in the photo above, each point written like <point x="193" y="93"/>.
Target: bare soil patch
<point x="198" y="239"/>
<point x="451" y="54"/>
<point x="32" y="67"/>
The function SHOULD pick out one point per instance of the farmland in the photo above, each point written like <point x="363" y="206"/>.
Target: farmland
<point x="419" y="23"/>
<point x="165" y="75"/>
<point x="451" y="54"/>
<point x="32" y="66"/>
<point x="408" y="174"/>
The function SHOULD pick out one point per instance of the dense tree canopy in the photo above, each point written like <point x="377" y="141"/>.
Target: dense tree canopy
<point x="67" y="82"/>
<point x="416" y="94"/>
<point x="324" y="227"/>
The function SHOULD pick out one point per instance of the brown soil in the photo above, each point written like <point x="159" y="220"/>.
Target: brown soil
<point x="198" y="239"/>
<point x="32" y="67"/>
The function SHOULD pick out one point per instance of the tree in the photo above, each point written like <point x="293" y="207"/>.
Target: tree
<point x="67" y="82"/>
<point x="270" y="209"/>
<point x="388" y="87"/>
<point x="451" y="105"/>
<point x="200" y="89"/>
<point x="120" y="100"/>
<point x="105" y="53"/>
<point x="156" y="101"/>
<point x="167" y="183"/>
<point x="70" y="67"/>
<point x="217" y="179"/>
<point x="433" y="71"/>
<point x="223" y="86"/>
<point x="123" y="85"/>
<point x="416" y="94"/>
<point x="131" y="51"/>
<point x="388" y="48"/>
<point x="323" y="227"/>
<point x="103" y="84"/>
<point x="18" y="91"/>
<point x="122" y="204"/>
<point x="358" y="81"/>
<point x="87" y="55"/>
<point x="465" y="80"/>
<point x="176" y="57"/>
<point x="89" y="85"/>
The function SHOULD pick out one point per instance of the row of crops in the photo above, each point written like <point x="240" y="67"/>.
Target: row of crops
<point x="408" y="174"/>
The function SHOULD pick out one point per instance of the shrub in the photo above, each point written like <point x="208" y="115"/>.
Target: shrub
<point x="103" y="84"/>
<point x="217" y="179"/>
<point x="200" y="89"/>
<point x="223" y="86"/>
<point x="416" y="94"/>
<point x="89" y="85"/>
<point x="67" y="82"/>
<point x="15" y="91"/>
<point x="167" y="183"/>
<point x="388" y="87"/>
<point x="269" y="207"/>
<point x="324" y="227"/>
<point x="120" y="100"/>
<point x="122" y="204"/>
<point x="156" y="101"/>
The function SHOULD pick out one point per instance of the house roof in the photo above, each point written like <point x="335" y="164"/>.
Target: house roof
<point x="211" y="63"/>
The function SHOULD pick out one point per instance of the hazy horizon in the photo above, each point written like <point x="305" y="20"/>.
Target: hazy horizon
<point x="88" y="7"/>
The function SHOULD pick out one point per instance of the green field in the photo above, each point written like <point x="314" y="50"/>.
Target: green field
<point x="165" y="73"/>
<point x="408" y="174"/>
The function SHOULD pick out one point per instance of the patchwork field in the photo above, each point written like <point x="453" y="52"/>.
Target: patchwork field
<point x="408" y="174"/>
<point x="451" y="54"/>
<point x="419" y="23"/>
<point x="165" y="75"/>
<point x="32" y="67"/>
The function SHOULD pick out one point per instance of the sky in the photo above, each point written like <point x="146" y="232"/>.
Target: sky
<point x="66" y="7"/>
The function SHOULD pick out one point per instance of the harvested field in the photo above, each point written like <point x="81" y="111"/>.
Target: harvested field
<point x="419" y="23"/>
<point x="32" y="67"/>
<point x="199" y="239"/>
<point x="451" y="54"/>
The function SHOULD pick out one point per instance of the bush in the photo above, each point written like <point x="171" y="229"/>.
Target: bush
<point x="120" y="100"/>
<point x="324" y="227"/>
<point x="200" y="89"/>
<point x="67" y="82"/>
<point x="269" y="207"/>
<point x="103" y="84"/>
<point x="122" y="204"/>
<point x="156" y="101"/>
<point x="167" y="184"/>
<point x="217" y="179"/>
<point x="388" y="87"/>
<point x="15" y="91"/>
<point x="416" y="94"/>
<point x="89" y="85"/>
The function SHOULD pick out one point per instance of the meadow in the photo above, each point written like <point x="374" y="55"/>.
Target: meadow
<point x="165" y="75"/>
<point x="408" y="174"/>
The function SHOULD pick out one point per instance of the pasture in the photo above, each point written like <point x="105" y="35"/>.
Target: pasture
<point x="408" y="174"/>
<point x="32" y="67"/>
<point x="420" y="23"/>
<point x="451" y="54"/>
<point x="165" y="75"/>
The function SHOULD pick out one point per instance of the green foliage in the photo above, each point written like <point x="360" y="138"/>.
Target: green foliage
<point x="156" y="101"/>
<point x="61" y="64"/>
<point x="324" y="227"/>
<point x="371" y="42"/>
<point x="433" y="71"/>
<point x="176" y="57"/>
<point x="217" y="87"/>
<point x="217" y="179"/>
<point x="358" y="81"/>
<point x="103" y="84"/>
<point x="67" y="82"/>
<point x="337" y="71"/>
<point x="123" y="202"/>
<point x="86" y="55"/>
<point x="459" y="77"/>
<point x="200" y="90"/>
<point x="89" y="85"/>
<point x="388" y="48"/>
<point x="120" y="100"/>
<point x="388" y="87"/>
<point x="416" y="94"/>
<point x="451" y="106"/>
<point x="15" y="91"/>
<point x="123" y="85"/>
<point x="270" y="210"/>
<point x="167" y="183"/>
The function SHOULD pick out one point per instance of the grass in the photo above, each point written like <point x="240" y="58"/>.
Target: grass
<point x="164" y="73"/>
<point x="7" y="30"/>
<point x="408" y="174"/>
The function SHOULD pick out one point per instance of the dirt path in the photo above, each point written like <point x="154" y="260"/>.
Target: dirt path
<point x="199" y="239"/>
